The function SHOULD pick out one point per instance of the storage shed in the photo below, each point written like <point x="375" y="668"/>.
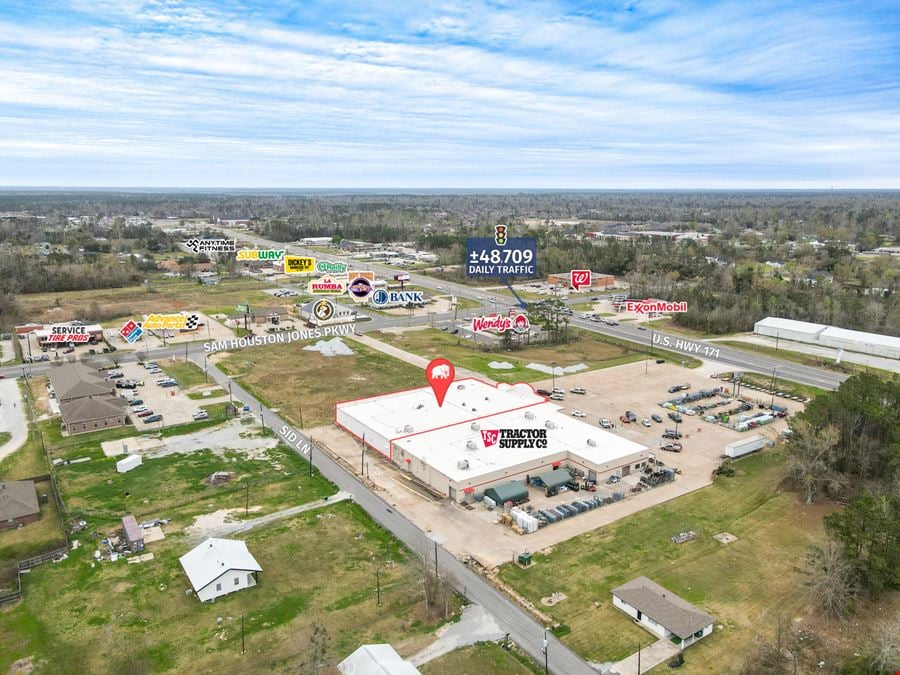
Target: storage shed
<point x="129" y="463"/>
<point x="133" y="534"/>
<point x="553" y="480"/>
<point x="513" y="491"/>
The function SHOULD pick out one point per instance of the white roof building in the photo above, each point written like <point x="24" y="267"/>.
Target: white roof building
<point x="451" y="449"/>
<point x="874" y="344"/>
<point x="220" y="566"/>
<point x="376" y="660"/>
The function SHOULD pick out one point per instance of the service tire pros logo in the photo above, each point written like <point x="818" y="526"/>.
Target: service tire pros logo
<point x="323" y="310"/>
<point x="360" y="289"/>
<point x="500" y="235"/>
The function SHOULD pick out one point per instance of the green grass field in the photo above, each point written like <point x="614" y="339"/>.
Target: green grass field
<point x="164" y="295"/>
<point x="5" y="437"/>
<point x="591" y="349"/>
<point x="743" y="585"/>
<point x="212" y="393"/>
<point x="186" y="373"/>
<point x="781" y="385"/>
<point x="288" y="377"/>
<point x="79" y="617"/>
<point x="483" y="657"/>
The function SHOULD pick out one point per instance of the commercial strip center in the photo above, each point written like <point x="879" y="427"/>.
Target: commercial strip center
<point x="452" y="449"/>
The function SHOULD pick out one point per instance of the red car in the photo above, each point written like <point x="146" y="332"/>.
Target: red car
<point x="145" y="413"/>
<point x="624" y="419"/>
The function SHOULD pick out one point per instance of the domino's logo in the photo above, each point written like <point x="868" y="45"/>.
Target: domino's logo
<point x="131" y="332"/>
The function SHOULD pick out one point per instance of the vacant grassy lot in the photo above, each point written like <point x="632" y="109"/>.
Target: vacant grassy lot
<point x="163" y="295"/>
<point x="744" y="585"/>
<point x="287" y="377"/>
<point x="669" y="326"/>
<point x="186" y="373"/>
<point x="432" y="343"/>
<point x="484" y="657"/>
<point x="34" y="538"/>
<point x="319" y="567"/>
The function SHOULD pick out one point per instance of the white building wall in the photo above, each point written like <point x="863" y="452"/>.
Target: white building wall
<point x="358" y="428"/>
<point x="645" y="621"/>
<point x="230" y="582"/>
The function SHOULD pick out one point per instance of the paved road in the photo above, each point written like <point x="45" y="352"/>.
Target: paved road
<point x="727" y="356"/>
<point x="12" y="417"/>
<point x="512" y="619"/>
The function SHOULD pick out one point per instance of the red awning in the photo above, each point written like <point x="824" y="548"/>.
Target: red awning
<point x="469" y="490"/>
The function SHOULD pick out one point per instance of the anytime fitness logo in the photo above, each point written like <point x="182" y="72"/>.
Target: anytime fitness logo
<point x="514" y="438"/>
<point x="519" y="323"/>
<point x="660" y="306"/>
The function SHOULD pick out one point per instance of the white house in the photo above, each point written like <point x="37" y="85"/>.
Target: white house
<point x="376" y="660"/>
<point x="218" y="567"/>
<point x="662" y="612"/>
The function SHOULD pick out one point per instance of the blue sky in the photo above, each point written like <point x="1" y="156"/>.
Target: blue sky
<point x="481" y="94"/>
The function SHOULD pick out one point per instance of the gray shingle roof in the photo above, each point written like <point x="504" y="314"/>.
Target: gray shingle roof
<point x="91" y="408"/>
<point x="667" y="609"/>
<point x="18" y="499"/>
<point x="74" y="380"/>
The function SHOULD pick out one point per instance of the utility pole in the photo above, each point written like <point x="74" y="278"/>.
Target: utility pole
<point x="205" y="371"/>
<point x="230" y="401"/>
<point x="553" y="365"/>
<point x="639" y="659"/>
<point x="774" y="370"/>
<point x="546" y="658"/>
<point x="649" y="350"/>
<point x="435" y="561"/>
<point x="262" y="419"/>
<point x="310" y="458"/>
<point x="378" y="586"/>
<point x="362" y="456"/>
<point x="243" y="649"/>
<point x="300" y="409"/>
<point x="247" y="501"/>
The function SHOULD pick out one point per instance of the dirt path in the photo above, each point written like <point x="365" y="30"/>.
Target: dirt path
<point x="196" y="533"/>
<point x="475" y="625"/>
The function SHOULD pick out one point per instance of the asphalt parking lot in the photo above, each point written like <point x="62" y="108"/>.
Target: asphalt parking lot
<point x="172" y="403"/>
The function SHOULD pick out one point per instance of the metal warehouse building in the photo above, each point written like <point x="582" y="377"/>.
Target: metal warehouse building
<point x="460" y="450"/>
<point x="873" y="344"/>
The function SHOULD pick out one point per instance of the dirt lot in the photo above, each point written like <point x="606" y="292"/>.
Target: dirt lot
<point x="173" y="403"/>
<point x="610" y="393"/>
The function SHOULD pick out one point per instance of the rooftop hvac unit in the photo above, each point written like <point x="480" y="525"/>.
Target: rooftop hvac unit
<point x="407" y="429"/>
<point x="462" y="464"/>
<point x="591" y="442"/>
<point x="529" y="415"/>
<point x="550" y="424"/>
<point x="474" y="426"/>
<point x="420" y="406"/>
<point x="460" y="386"/>
<point x="470" y="445"/>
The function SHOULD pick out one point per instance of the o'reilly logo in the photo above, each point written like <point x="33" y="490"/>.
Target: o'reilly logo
<point x="382" y="297"/>
<point x="329" y="267"/>
<point x="514" y="438"/>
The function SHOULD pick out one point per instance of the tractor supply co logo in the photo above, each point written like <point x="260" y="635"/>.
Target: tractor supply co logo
<point x="499" y="323"/>
<point x="171" y="321"/>
<point x="295" y="264"/>
<point x="579" y="279"/>
<point x="327" y="286"/>
<point x="501" y="235"/>
<point x="658" y="306"/>
<point x="329" y="267"/>
<point x="131" y="332"/>
<point x="68" y="334"/>
<point x="514" y="438"/>
<point x="360" y="289"/>
<point x="211" y="245"/>
<point x="260" y="254"/>
<point x="380" y="298"/>
<point x="323" y="310"/>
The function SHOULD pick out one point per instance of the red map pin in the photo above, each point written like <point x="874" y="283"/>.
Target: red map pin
<point x="440" y="374"/>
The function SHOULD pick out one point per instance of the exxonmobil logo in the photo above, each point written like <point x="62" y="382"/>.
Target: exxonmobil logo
<point x="646" y="306"/>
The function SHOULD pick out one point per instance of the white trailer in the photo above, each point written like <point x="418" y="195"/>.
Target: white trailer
<point x="745" y="446"/>
<point x="129" y="463"/>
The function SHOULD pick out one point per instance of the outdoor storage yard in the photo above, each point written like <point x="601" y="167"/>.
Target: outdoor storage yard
<point x="610" y="392"/>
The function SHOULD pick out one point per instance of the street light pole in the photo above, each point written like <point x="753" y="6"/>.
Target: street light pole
<point x="553" y="365"/>
<point x="639" y="659"/>
<point x="546" y="658"/>
<point x="774" y="370"/>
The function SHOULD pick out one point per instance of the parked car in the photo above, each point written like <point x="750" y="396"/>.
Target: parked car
<point x="68" y="350"/>
<point x="557" y="397"/>
<point x="631" y="416"/>
<point x="624" y="420"/>
<point x="675" y="417"/>
<point x="642" y="328"/>
<point x="660" y="360"/>
<point x="645" y="422"/>
<point x="606" y="424"/>
<point x="656" y="418"/>
<point x="671" y="433"/>
<point x="125" y="385"/>
<point x="578" y="390"/>
<point x="145" y="413"/>
<point x="152" y="418"/>
<point x="612" y="480"/>
<point x="679" y="387"/>
<point x="136" y="401"/>
<point x="578" y="413"/>
<point x="137" y="407"/>
<point x="200" y="415"/>
<point x="671" y="447"/>
<point x="166" y="385"/>
<point x="543" y="392"/>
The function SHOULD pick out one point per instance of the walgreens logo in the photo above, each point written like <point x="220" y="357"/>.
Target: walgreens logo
<point x="499" y="323"/>
<point x="647" y="306"/>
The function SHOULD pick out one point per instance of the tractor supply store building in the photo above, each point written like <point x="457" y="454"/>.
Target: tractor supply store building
<point x="444" y="447"/>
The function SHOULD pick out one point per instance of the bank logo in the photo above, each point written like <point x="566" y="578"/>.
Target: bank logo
<point x="329" y="267"/>
<point x="501" y="235"/>
<point x="296" y="264"/>
<point x="131" y="332"/>
<point x="327" y="286"/>
<point x="579" y="279"/>
<point x="323" y="310"/>
<point x="260" y="254"/>
<point x="211" y="245"/>
<point x="381" y="297"/>
<point x="360" y="289"/>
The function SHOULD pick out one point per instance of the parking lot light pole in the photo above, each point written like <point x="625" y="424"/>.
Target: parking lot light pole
<point x="774" y="370"/>
<point x="553" y="365"/>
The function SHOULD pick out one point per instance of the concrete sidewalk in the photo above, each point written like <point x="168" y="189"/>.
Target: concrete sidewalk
<point x="659" y="652"/>
<point x="12" y="417"/>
